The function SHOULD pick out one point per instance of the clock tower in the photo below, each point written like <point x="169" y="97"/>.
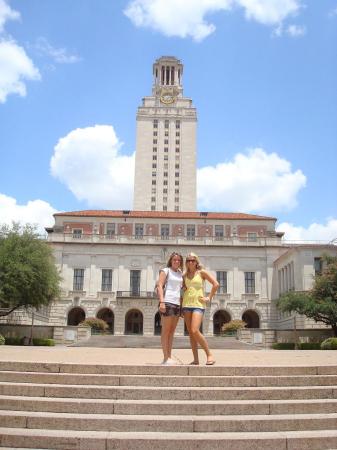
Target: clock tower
<point x="165" y="169"/>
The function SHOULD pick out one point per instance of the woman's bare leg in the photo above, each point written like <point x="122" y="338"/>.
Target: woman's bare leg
<point x="173" y="326"/>
<point x="168" y="326"/>
<point x="194" y="345"/>
<point x="196" y="321"/>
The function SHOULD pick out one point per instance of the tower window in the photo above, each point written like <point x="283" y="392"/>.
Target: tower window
<point x="165" y="191"/>
<point x="165" y="174"/>
<point x="154" y="166"/>
<point x="177" y="133"/>
<point x="153" y="199"/>
<point x="166" y="141"/>
<point x="153" y="190"/>
<point x="176" y="183"/>
<point x="154" y="158"/>
<point x="165" y="183"/>
<point x="177" y="174"/>
<point x="177" y="149"/>
<point x="164" y="208"/>
<point x="154" y="149"/>
<point x="154" y="173"/>
<point x="155" y="141"/>
<point x="166" y="157"/>
<point x="153" y="207"/>
<point x="176" y="208"/>
<point x="177" y="142"/>
<point x="155" y="133"/>
<point x="177" y="123"/>
<point x="155" y="123"/>
<point x="176" y="191"/>
<point x="165" y="149"/>
<point x="167" y="123"/>
<point x="153" y="182"/>
<point x="166" y="133"/>
<point x="165" y="165"/>
<point x="177" y="166"/>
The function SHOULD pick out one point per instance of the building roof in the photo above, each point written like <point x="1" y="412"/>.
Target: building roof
<point x="164" y="214"/>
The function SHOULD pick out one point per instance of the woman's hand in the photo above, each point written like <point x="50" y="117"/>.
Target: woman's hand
<point x="205" y="299"/>
<point x="162" y="307"/>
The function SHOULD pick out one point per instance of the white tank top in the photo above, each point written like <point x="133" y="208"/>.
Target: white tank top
<point x="174" y="282"/>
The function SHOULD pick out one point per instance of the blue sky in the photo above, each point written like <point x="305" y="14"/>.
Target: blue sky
<point x="261" y="73"/>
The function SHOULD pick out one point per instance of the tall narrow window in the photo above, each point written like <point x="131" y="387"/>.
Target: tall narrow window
<point x="165" y="231"/>
<point x="139" y="230"/>
<point x="218" y="232"/>
<point x="190" y="232"/>
<point x="78" y="279"/>
<point x="77" y="233"/>
<point x="106" y="279"/>
<point x="135" y="282"/>
<point x="110" y="229"/>
<point x="167" y="123"/>
<point x="221" y="277"/>
<point x="250" y="282"/>
<point x="318" y="265"/>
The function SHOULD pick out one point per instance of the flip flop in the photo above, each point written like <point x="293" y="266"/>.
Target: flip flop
<point x="193" y="363"/>
<point x="210" y="363"/>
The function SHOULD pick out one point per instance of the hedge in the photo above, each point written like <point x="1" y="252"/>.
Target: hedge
<point x="329" y="344"/>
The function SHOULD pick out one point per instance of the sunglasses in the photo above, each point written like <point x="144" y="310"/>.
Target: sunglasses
<point x="191" y="260"/>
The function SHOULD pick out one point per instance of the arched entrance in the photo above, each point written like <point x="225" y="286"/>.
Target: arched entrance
<point x="75" y="316"/>
<point x="251" y="318"/>
<point x="134" y="322"/>
<point x="108" y="316"/>
<point x="157" y="324"/>
<point x="220" y="317"/>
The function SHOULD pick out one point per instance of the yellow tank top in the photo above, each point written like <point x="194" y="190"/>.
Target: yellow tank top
<point x="195" y="290"/>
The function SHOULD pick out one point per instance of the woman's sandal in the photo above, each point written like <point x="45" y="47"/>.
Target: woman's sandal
<point x="193" y="363"/>
<point x="210" y="363"/>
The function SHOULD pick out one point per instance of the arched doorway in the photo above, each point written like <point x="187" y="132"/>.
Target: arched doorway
<point x="108" y="316"/>
<point x="75" y="316"/>
<point x="134" y="322"/>
<point x="157" y="324"/>
<point x="220" y="317"/>
<point x="251" y="318"/>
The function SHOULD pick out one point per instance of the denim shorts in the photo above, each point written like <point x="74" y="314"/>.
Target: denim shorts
<point x="171" y="310"/>
<point x="193" y="309"/>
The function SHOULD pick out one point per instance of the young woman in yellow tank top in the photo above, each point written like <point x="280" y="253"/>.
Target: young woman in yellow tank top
<point x="194" y="303"/>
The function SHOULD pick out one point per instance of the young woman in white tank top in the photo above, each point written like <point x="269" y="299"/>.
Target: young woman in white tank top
<point x="169" y="288"/>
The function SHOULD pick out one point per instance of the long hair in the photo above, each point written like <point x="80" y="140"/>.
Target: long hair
<point x="169" y="262"/>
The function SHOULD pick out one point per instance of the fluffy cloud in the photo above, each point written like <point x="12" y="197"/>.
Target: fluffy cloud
<point x="36" y="212"/>
<point x="7" y="13"/>
<point x="59" y="55"/>
<point x="187" y="18"/>
<point x="290" y="30"/>
<point x="314" y="232"/>
<point x="15" y="68"/>
<point x="252" y="182"/>
<point x="89" y="163"/>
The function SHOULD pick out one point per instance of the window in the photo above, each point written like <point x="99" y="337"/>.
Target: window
<point x="250" y="282"/>
<point x="165" y="231"/>
<point x="165" y="174"/>
<point x="139" y="230"/>
<point x="221" y="278"/>
<point x="78" y="279"/>
<point x="155" y="123"/>
<point x="177" y="149"/>
<point x="165" y="141"/>
<point x="176" y="208"/>
<point x="165" y="183"/>
<point x="164" y="208"/>
<point x="177" y="133"/>
<point x="166" y="133"/>
<point x="165" y="149"/>
<point x="165" y="157"/>
<point x="177" y="142"/>
<point x="110" y="229"/>
<point x="153" y="182"/>
<point x="155" y="133"/>
<point x="154" y="149"/>
<point x="154" y="166"/>
<point x="190" y="232"/>
<point x="106" y="279"/>
<point x="154" y="173"/>
<point x="252" y="237"/>
<point x="155" y="141"/>
<point x="318" y="266"/>
<point x="218" y="232"/>
<point x="176" y="199"/>
<point x="176" y="191"/>
<point x="176" y="183"/>
<point x="153" y="190"/>
<point x="153" y="207"/>
<point x="177" y="157"/>
<point x="166" y="123"/>
<point x="77" y="233"/>
<point x="177" y="166"/>
<point x="153" y="199"/>
<point x="177" y="123"/>
<point x="165" y="191"/>
<point x="165" y="165"/>
<point x="177" y="174"/>
<point x="135" y="282"/>
<point x="154" y="158"/>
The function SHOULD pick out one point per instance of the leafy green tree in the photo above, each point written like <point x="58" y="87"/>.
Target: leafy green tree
<point x="28" y="275"/>
<point x="319" y="303"/>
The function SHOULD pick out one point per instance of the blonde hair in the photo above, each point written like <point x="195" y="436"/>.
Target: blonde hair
<point x="196" y="257"/>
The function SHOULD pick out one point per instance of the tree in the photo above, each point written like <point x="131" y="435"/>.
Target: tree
<point x="28" y="275"/>
<point x="319" y="303"/>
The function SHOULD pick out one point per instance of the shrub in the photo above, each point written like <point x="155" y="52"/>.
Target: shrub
<point x="95" y="324"/>
<point x="329" y="344"/>
<point x="233" y="325"/>
<point x="283" y="346"/>
<point x="2" y="340"/>
<point x="13" y="341"/>
<point x="309" y="346"/>
<point x="44" y="342"/>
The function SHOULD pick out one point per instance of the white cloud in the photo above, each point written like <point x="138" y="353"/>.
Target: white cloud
<point x="15" y="68"/>
<point x="187" y="18"/>
<point x="315" y="232"/>
<point x="252" y="182"/>
<point x="59" y="55"/>
<point x="89" y="163"/>
<point x="7" y="13"/>
<point x="36" y="212"/>
<point x="295" y="30"/>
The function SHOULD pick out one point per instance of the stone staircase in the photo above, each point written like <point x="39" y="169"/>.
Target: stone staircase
<point x="96" y="407"/>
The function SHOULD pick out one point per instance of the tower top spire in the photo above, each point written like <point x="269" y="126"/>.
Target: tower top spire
<point x="167" y="71"/>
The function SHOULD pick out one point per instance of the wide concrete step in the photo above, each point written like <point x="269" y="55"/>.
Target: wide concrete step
<point x="89" y="440"/>
<point x="168" y="407"/>
<point x="166" y="380"/>
<point x="167" y="393"/>
<point x="178" y="423"/>
<point x="182" y="370"/>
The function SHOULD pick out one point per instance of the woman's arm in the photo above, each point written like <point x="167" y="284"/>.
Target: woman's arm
<point x="215" y="285"/>
<point x="161" y="283"/>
